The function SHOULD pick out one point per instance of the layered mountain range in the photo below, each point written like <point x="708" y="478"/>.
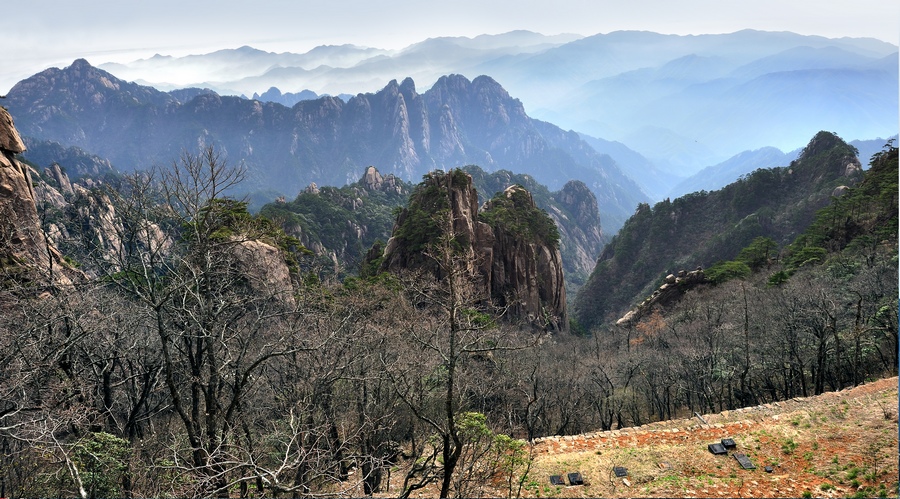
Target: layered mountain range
<point x="326" y="141"/>
<point x="685" y="102"/>
<point x="190" y="317"/>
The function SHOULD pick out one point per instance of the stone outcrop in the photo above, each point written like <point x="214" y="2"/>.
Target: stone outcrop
<point x="840" y="191"/>
<point x="10" y="141"/>
<point x="527" y="275"/>
<point x="94" y="213"/>
<point x="373" y="181"/>
<point x="61" y="179"/>
<point x="522" y="275"/>
<point x="24" y="249"/>
<point x="266" y="272"/>
<point x="671" y="291"/>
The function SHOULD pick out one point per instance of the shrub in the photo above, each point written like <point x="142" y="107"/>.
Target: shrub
<point x="725" y="271"/>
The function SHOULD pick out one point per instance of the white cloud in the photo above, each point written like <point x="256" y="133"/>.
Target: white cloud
<point x="55" y="32"/>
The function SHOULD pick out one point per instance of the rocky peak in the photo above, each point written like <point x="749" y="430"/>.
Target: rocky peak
<point x="85" y="85"/>
<point x="408" y="87"/>
<point x="578" y="219"/>
<point x="578" y="199"/>
<point x="482" y="97"/>
<point x="811" y="161"/>
<point x="515" y="268"/>
<point x="60" y="178"/>
<point x="373" y="181"/>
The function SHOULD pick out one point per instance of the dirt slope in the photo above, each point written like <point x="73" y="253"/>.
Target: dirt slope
<point x="838" y="444"/>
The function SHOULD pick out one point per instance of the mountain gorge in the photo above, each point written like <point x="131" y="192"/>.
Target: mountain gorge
<point x="325" y="141"/>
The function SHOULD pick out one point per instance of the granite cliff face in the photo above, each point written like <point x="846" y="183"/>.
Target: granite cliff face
<point x="573" y="208"/>
<point x="527" y="272"/>
<point x="581" y="238"/>
<point x="510" y="246"/>
<point x="24" y="249"/>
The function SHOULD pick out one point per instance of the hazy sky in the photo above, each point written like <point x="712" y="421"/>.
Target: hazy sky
<point x="45" y="33"/>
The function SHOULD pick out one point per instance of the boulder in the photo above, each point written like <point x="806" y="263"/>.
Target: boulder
<point x="10" y="141"/>
<point x="840" y="191"/>
<point x="265" y="270"/>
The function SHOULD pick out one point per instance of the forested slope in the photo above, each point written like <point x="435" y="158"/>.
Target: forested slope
<point x="704" y="227"/>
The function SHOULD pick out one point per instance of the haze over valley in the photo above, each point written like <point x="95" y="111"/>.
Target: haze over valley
<point x="684" y="102"/>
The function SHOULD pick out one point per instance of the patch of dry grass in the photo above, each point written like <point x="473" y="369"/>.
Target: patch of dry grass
<point x="840" y="444"/>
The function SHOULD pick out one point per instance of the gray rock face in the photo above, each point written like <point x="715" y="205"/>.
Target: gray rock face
<point x="528" y="277"/>
<point x="61" y="179"/>
<point x="581" y="239"/>
<point x="523" y="276"/>
<point x="840" y="191"/>
<point x="10" y="141"/>
<point x="93" y="211"/>
<point x="265" y="269"/>
<point x="23" y="245"/>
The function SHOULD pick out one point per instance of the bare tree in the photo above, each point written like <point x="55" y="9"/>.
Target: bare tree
<point x="216" y="332"/>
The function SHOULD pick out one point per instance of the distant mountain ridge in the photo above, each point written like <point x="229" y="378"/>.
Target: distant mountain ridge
<point x="684" y="102"/>
<point x="717" y="176"/>
<point x="326" y="141"/>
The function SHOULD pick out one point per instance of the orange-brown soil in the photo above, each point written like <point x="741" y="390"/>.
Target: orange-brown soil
<point x="836" y="444"/>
